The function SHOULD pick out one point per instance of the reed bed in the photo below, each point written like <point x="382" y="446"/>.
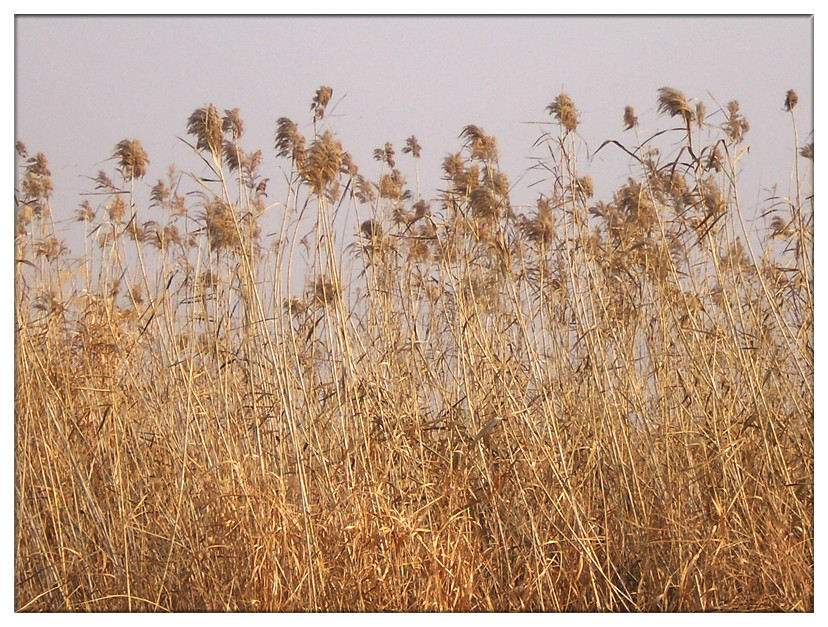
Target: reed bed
<point x="399" y="404"/>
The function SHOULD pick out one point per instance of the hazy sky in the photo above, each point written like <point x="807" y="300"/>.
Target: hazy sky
<point x="82" y="84"/>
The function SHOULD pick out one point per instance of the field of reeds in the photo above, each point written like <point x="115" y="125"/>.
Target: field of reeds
<point x="386" y="403"/>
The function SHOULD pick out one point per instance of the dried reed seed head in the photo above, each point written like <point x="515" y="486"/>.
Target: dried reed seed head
<point x="481" y="291"/>
<point x="221" y="226"/>
<point x="540" y="229"/>
<point x="636" y="206"/>
<point x="36" y="192"/>
<point x="735" y="256"/>
<point x="584" y="186"/>
<point x="674" y="103"/>
<point x="207" y="126"/>
<point x="412" y="147"/>
<point x="169" y="235"/>
<point x="132" y="159"/>
<point x="701" y="112"/>
<point x="38" y="165"/>
<point x="484" y="205"/>
<point x="677" y="186"/>
<point x="135" y="231"/>
<point x="418" y="246"/>
<point x="467" y="180"/>
<point x="498" y="182"/>
<point x="295" y="306"/>
<point x="564" y="111"/>
<point x="36" y="185"/>
<point x="421" y="209"/>
<point x="348" y="166"/>
<point x="159" y="194"/>
<point x="261" y="187"/>
<point x="386" y="155"/>
<point x="391" y="186"/>
<point x="102" y="181"/>
<point x="289" y="141"/>
<point x="252" y="162"/>
<point x="25" y="213"/>
<point x="711" y="197"/>
<point x="453" y="165"/>
<point x="150" y="232"/>
<point x="20" y="148"/>
<point x="372" y="230"/>
<point x="791" y="100"/>
<point x="136" y="293"/>
<point x="50" y="248"/>
<point x="48" y="301"/>
<point x="364" y="189"/>
<point x="779" y="227"/>
<point x="482" y="147"/>
<point x="320" y="101"/>
<point x="630" y="119"/>
<point x="807" y="151"/>
<point x="207" y="280"/>
<point x="325" y="292"/>
<point x="323" y="163"/>
<point x="736" y="125"/>
<point x="232" y="156"/>
<point x="613" y="219"/>
<point x="715" y="159"/>
<point x="232" y="123"/>
<point x="116" y="209"/>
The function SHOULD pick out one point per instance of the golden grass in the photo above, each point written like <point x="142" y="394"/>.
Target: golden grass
<point x="585" y="406"/>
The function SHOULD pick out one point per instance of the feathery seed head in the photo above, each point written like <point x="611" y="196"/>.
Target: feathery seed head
<point x="584" y="187"/>
<point x="232" y="123"/>
<point x="386" y="155"/>
<point x="372" y="230"/>
<point x="325" y="292"/>
<point x="207" y="126"/>
<point x="791" y="100"/>
<point x="564" y="111"/>
<point x="324" y="163"/>
<point x="290" y="143"/>
<point x="320" y="101"/>
<point x="540" y="229"/>
<point x="116" y="209"/>
<point x="221" y="226"/>
<point x="701" y="111"/>
<point x="712" y="199"/>
<point x="736" y="125"/>
<point x="364" y="190"/>
<point x="391" y="186"/>
<point x="630" y="119"/>
<point x="412" y="146"/>
<point x="779" y="227"/>
<point x="481" y="146"/>
<point x="674" y="103"/>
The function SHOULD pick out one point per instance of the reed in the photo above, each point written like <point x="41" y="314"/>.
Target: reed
<point x="472" y="405"/>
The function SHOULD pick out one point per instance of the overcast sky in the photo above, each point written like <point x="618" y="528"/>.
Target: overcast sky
<point x="82" y="84"/>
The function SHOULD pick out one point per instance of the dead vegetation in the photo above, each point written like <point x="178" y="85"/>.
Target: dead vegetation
<point x="582" y="405"/>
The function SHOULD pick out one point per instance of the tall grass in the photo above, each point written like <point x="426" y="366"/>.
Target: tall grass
<point x="581" y="405"/>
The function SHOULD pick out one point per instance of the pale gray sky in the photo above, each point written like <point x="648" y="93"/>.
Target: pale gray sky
<point x="82" y="84"/>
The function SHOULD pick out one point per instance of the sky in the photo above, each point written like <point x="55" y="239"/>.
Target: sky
<point x="82" y="84"/>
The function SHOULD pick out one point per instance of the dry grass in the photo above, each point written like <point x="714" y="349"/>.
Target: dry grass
<point x="582" y="406"/>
